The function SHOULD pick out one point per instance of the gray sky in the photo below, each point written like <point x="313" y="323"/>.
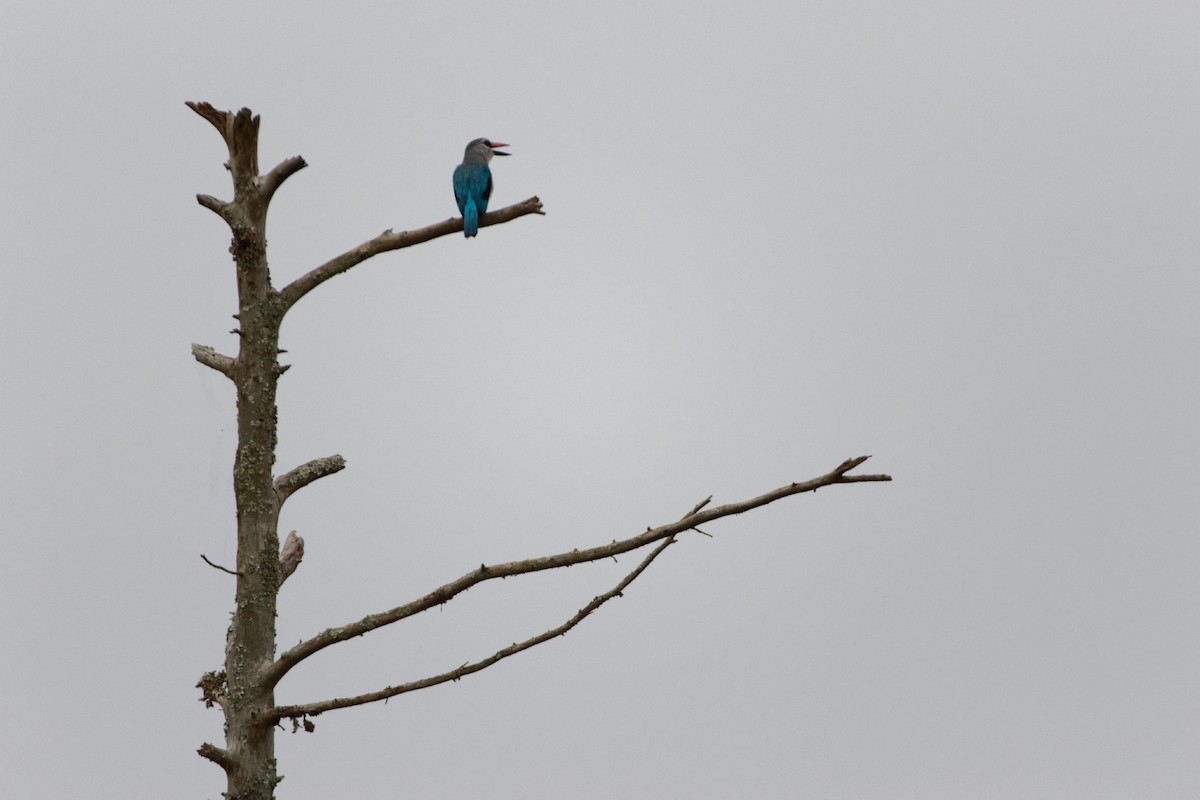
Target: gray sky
<point x="961" y="237"/>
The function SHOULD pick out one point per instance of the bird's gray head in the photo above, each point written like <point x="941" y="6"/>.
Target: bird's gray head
<point x="482" y="150"/>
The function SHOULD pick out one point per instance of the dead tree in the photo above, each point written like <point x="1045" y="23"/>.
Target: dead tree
<point x="245" y="688"/>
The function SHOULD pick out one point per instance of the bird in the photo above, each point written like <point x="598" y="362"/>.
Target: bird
<point x="473" y="182"/>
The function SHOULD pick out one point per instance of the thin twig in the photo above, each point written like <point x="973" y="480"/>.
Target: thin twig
<point x="218" y="566"/>
<point x="697" y="507"/>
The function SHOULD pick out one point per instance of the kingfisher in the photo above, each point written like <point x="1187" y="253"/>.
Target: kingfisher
<point x="473" y="182"/>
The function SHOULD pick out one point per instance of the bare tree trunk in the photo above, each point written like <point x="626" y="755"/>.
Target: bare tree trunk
<point x="248" y="700"/>
<point x="249" y="737"/>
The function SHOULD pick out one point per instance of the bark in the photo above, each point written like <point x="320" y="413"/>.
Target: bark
<point x="249" y="754"/>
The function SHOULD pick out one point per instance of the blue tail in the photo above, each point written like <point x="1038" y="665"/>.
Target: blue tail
<point x="470" y="218"/>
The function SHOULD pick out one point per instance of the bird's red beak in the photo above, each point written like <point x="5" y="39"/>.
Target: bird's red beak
<point x="496" y="152"/>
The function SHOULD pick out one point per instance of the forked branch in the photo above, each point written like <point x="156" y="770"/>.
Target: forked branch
<point x="313" y="709"/>
<point x="698" y="516"/>
<point x="240" y="132"/>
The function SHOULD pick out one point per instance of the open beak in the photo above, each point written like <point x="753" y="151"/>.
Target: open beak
<point x="496" y="152"/>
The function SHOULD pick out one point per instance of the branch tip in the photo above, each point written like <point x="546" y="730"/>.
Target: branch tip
<point x="283" y="170"/>
<point x="305" y="474"/>
<point x="217" y="755"/>
<point x="698" y="506"/>
<point x="214" y="205"/>
<point x="290" y="556"/>
<point x="206" y="110"/>
<point x="211" y="358"/>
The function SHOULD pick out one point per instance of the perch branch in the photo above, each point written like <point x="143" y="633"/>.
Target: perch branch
<point x="447" y="592"/>
<point x="305" y="474"/>
<point x="389" y="240"/>
<point x="312" y="709"/>
<point x="211" y="358"/>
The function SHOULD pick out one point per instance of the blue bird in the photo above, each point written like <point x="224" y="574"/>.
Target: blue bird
<point x="473" y="182"/>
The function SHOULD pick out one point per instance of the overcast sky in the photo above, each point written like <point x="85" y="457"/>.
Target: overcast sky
<point x="958" y="236"/>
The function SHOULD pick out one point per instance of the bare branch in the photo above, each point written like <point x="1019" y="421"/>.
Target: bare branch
<point x="217" y="755"/>
<point x="388" y="240"/>
<point x="218" y="566"/>
<point x="290" y="556"/>
<point x="218" y="207"/>
<point x="697" y="507"/>
<point x="312" y="709"/>
<point x="206" y="110"/>
<point x="211" y="358"/>
<point x="275" y="178"/>
<point x="240" y="132"/>
<point x="305" y="474"/>
<point x="242" y="137"/>
<point x="447" y="592"/>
